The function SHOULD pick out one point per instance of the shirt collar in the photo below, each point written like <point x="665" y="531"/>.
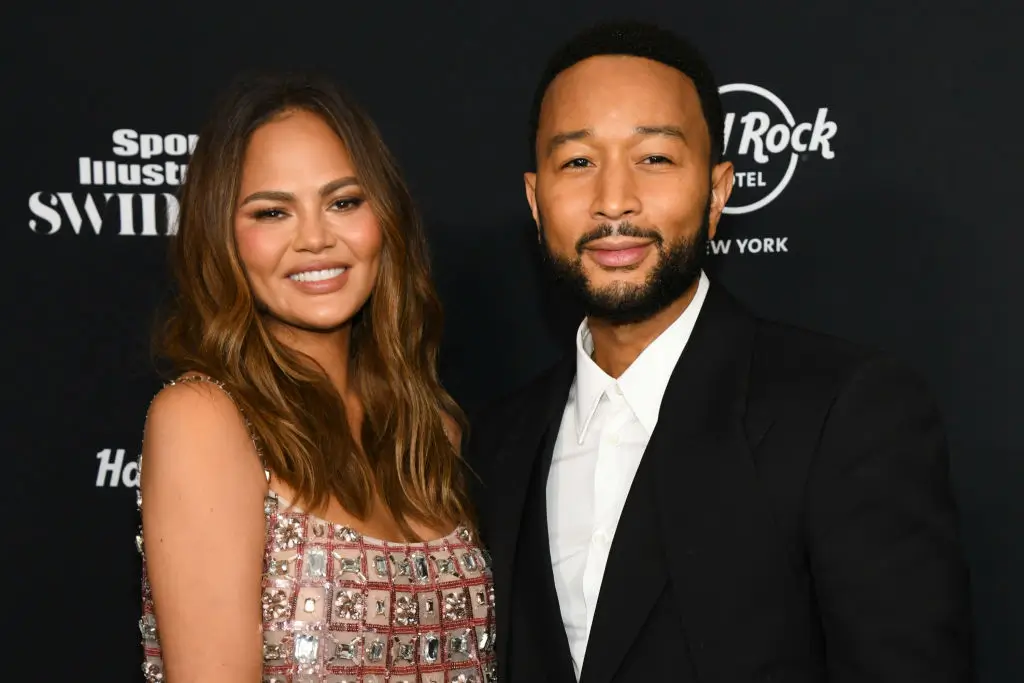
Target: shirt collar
<point x="644" y="382"/>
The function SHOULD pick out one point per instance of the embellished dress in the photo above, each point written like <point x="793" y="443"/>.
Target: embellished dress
<point x="340" y="607"/>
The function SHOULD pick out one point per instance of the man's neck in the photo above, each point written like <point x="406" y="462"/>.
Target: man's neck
<point x="616" y="347"/>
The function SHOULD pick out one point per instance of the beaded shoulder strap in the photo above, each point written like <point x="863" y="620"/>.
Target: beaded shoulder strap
<point x="192" y="378"/>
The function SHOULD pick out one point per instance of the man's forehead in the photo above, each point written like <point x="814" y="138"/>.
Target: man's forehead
<point x="611" y="85"/>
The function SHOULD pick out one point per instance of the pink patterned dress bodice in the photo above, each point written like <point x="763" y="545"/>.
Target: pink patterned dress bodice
<point x="339" y="607"/>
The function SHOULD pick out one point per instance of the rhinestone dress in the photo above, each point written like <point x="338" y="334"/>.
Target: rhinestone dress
<point x="339" y="607"/>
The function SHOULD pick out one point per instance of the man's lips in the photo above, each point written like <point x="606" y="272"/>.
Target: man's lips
<point x="617" y="253"/>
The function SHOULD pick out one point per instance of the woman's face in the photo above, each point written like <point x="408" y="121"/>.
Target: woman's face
<point x="306" y="234"/>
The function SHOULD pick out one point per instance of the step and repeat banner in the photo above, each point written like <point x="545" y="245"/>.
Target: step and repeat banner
<point x="877" y="169"/>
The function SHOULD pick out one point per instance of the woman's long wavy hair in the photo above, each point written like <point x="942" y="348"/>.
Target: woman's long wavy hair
<point x="215" y="327"/>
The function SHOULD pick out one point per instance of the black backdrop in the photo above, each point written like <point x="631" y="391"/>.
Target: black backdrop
<point x="898" y="231"/>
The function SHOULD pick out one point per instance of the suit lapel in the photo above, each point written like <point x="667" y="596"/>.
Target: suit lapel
<point x="530" y="445"/>
<point x="687" y="517"/>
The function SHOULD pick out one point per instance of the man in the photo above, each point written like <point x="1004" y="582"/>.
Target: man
<point x="696" y="494"/>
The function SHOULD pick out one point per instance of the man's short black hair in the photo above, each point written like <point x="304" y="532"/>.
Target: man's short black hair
<point x="635" y="39"/>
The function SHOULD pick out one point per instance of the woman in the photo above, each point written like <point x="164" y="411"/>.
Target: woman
<point x="302" y="477"/>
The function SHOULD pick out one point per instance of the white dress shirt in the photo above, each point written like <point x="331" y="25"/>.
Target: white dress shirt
<point x="604" y="432"/>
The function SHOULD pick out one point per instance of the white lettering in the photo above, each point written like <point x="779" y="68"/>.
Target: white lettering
<point x="173" y="209"/>
<point x="125" y="144"/>
<point x="130" y="143"/>
<point x="824" y="130"/>
<point x="67" y="201"/>
<point x="729" y="119"/>
<point x="778" y="138"/>
<point x="108" y="466"/>
<point x="41" y="210"/>
<point x="720" y="246"/>
<point x="780" y="244"/>
<point x="798" y="144"/>
<point x="130" y="474"/>
<point x="743" y="245"/>
<point x="176" y="144"/>
<point x="754" y="126"/>
<point x="149" y="215"/>
<point x="152" y="145"/>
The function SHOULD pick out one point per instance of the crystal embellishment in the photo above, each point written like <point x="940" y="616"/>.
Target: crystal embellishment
<point x="350" y="605"/>
<point x="446" y="565"/>
<point x="275" y="605"/>
<point x="455" y="606"/>
<point x="419" y="564"/>
<point x="288" y="533"/>
<point x="458" y="646"/>
<point x="346" y="534"/>
<point x="406" y="611"/>
<point x="469" y="562"/>
<point x="375" y="652"/>
<point x="402" y="567"/>
<point x="406" y="652"/>
<point x="346" y="651"/>
<point x="147" y="627"/>
<point x="277" y="567"/>
<point x="316" y="563"/>
<point x="431" y="648"/>
<point x="380" y="565"/>
<point x="272" y="652"/>
<point x="351" y="565"/>
<point x="152" y="672"/>
<point x="306" y="648"/>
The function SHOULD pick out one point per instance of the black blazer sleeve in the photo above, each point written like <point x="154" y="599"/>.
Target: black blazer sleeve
<point x="885" y="554"/>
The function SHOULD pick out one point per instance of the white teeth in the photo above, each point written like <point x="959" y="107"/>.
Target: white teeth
<point x="317" y="275"/>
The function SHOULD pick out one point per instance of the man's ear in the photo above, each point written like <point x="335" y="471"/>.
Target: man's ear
<point x="722" y="177"/>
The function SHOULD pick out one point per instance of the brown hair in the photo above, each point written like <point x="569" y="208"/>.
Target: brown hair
<point x="296" y="414"/>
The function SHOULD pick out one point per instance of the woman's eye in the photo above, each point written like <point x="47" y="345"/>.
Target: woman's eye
<point x="268" y="214"/>
<point x="347" y="203"/>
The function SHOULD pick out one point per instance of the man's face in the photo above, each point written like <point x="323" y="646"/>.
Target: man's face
<point x="622" y="195"/>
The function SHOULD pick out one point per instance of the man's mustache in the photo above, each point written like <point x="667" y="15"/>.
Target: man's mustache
<point x="623" y="229"/>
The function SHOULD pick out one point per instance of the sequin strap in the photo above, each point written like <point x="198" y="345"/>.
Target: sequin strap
<point x="193" y="378"/>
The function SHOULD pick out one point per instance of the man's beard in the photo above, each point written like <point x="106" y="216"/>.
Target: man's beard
<point x="678" y="267"/>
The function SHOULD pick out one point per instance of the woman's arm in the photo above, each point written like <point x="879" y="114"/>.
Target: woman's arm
<point x="202" y="490"/>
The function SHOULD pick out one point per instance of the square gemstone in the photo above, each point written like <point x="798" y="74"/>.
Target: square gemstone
<point x="380" y="565"/>
<point x="458" y="646"/>
<point x="375" y="652"/>
<point x="316" y="563"/>
<point x="306" y="648"/>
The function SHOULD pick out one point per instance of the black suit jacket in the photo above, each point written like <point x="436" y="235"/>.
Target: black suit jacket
<point x="791" y="521"/>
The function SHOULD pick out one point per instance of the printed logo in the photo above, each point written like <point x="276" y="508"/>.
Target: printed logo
<point x="113" y="471"/>
<point x="120" y="196"/>
<point x="765" y="142"/>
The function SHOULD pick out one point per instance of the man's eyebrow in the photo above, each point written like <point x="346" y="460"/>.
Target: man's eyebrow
<point x="670" y="131"/>
<point x="559" y="139"/>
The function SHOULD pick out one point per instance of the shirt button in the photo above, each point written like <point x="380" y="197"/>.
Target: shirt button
<point x="612" y="439"/>
<point x="601" y="538"/>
